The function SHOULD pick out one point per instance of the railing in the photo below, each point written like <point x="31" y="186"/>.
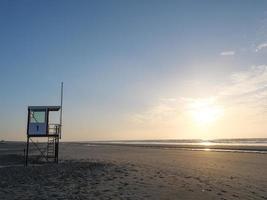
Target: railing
<point x="54" y="129"/>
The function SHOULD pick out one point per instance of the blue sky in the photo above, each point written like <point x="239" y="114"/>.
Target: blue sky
<point x="121" y="60"/>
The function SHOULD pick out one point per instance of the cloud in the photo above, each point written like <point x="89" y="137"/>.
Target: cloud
<point x="243" y="90"/>
<point x="227" y="53"/>
<point x="261" y="46"/>
<point x="162" y="112"/>
<point x="247" y="81"/>
<point x="247" y="89"/>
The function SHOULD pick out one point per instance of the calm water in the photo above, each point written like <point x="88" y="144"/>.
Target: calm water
<point x="254" y="145"/>
<point x="231" y="142"/>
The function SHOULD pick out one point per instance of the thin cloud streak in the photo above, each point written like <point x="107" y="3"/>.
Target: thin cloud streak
<point x="261" y="46"/>
<point x="163" y="112"/>
<point x="227" y="53"/>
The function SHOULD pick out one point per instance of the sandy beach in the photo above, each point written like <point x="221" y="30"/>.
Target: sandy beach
<point x="89" y="171"/>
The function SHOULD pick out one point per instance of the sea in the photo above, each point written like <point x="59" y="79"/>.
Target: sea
<point x="244" y="145"/>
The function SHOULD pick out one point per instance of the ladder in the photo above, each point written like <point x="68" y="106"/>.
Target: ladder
<point x="51" y="149"/>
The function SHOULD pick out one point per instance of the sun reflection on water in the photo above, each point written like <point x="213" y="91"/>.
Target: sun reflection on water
<point x="206" y="143"/>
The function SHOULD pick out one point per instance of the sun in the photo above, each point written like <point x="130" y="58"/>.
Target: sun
<point x="205" y="111"/>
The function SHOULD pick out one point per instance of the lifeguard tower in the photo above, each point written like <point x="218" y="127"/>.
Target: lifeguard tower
<point x="39" y="125"/>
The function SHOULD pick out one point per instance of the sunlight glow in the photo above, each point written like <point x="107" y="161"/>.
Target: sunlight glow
<point x="205" y="111"/>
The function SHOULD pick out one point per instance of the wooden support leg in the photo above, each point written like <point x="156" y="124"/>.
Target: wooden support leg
<point x="27" y="152"/>
<point x="56" y="150"/>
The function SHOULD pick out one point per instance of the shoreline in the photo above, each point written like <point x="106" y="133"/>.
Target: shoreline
<point x="195" y="147"/>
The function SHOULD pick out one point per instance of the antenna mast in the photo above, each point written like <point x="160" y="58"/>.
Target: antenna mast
<point x="61" y="107"/>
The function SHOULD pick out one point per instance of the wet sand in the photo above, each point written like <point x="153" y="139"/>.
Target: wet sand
<point x="125" y="172"/>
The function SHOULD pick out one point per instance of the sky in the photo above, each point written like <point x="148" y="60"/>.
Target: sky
<point x="142" y="69"/>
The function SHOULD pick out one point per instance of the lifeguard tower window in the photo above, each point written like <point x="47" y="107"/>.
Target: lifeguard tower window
<point x="38" y="121"/>
<point x="37" y="117"/>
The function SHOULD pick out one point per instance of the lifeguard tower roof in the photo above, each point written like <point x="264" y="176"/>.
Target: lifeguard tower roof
<point x="41" y="108"/>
